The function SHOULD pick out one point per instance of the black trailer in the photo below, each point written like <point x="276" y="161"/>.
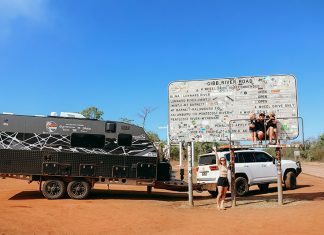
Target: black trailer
<point x="72" y="154"/>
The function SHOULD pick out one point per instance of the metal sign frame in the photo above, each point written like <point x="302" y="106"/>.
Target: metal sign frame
<point x="265" y="133"/>
<point x="232" y="162"/>
<point x="278" y="163"/>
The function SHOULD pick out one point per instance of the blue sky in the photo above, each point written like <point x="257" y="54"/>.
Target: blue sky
<point x="58" y="55"/>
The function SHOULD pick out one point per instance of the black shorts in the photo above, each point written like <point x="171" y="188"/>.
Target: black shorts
<point x="272" y="125"/>
<point x="223" y="181"/>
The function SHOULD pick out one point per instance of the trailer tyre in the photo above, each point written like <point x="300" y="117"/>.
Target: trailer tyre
<point x="53" y="189"/>
<point x="78" y="189"/>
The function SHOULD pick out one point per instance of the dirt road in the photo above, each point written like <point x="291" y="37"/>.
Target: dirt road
<point x="129" y="210"/>
<point x="313" y="168"/>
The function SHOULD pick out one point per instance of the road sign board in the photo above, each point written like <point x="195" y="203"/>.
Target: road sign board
<point x="201" y="110"/>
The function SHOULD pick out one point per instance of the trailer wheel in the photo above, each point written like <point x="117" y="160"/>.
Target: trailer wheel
<point x="78" y="189"/>
<point x="53" y="189"/>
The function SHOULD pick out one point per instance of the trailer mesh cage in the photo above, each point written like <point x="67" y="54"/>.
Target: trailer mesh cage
<point x="75" y="148"/>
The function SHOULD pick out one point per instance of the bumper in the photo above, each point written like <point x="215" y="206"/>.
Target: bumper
<point x="206" y="180"/>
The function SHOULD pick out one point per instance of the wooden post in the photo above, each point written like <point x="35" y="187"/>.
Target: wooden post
<point x="193" y="154"/>
<point x="190" y="191"/>
<point x="180" y="155"/>
<point x="233" y="189"/>
<point x="279" y="176"/>
<point x="181" y="162"/>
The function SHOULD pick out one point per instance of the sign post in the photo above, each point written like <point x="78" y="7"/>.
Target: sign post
<point x="168" y="149"/>
<point x="180" y="154"/>
<point x="193" y="153"/>
<point x="181" y="162"/>
<point x="279" y="176"/>
<point x="233" y="189"/>
<point x="190" y="191"/>
<point x="296" y="155"/>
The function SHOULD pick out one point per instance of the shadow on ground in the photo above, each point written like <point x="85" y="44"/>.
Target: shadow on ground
<point x="253" y="197"/>
<point x="102" y="194"/>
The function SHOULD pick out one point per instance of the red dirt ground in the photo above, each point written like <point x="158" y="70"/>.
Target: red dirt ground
<point x="129" y="210"/>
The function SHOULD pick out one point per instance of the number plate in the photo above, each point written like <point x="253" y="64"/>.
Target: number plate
<point x="204" y="173"/>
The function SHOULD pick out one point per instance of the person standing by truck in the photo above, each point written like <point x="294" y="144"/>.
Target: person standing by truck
<point x="222" y="182"/>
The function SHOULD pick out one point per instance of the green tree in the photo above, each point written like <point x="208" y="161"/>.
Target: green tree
<point x="153" y="136"/>
<point x="321" y="140"/>
<point x="316" y="151"/>
<point x="92" y="113"/>
<point x="312" y="150"/>
<point x="174" y="153"/>
<point x="200" y="148"/>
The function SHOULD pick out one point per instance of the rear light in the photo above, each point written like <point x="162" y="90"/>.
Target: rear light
<point x="213" y="168"/>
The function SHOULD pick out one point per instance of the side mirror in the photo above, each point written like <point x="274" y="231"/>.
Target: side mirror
<point x="125" y="140"/>
<point x="274" y="161"/>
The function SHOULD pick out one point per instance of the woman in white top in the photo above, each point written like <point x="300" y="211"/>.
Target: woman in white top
<point x="222" y="182"/>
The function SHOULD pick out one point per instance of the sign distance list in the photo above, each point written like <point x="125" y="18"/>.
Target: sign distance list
<point x="202" y="110"/>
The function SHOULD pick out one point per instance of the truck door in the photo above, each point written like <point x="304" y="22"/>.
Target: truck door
<point x="248" y="165"/>
<point x="268" y="169"/>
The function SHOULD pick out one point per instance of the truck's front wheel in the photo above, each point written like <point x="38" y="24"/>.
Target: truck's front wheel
<point x="53" y="189"/>
<point x="78" y="189"/>
<point x="290" y="181"/>
<point x="241" y="186"/>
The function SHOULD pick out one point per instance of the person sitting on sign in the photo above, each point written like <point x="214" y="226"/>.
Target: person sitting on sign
<point x="260" y="127"/>
<point x="271" y="125"/>
<point x="252" y="127"/>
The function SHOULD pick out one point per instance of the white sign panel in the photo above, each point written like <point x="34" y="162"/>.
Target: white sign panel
<point x="203" y="110"/>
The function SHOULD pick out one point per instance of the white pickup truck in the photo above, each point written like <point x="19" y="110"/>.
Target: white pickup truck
<point x="252" y="167"/>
